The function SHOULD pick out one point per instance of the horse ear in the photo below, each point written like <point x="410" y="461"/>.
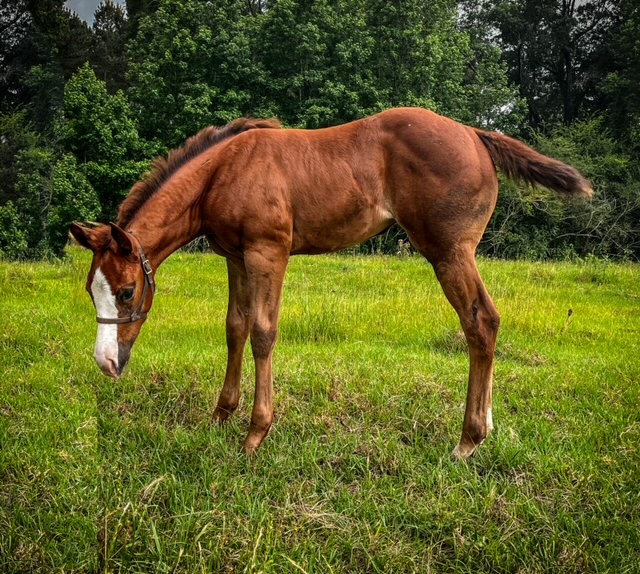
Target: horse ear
<point x="85" y="236"/>
<point x="123" y="240"/>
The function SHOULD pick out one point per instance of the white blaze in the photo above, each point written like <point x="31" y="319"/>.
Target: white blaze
<point x="106" y="350"/>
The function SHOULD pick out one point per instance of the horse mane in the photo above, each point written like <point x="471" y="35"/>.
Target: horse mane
<point x="163" y="168"/>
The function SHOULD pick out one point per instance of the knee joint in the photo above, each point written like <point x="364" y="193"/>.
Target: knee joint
<point x="262" y="340"/>
<point x="485" y="317"/>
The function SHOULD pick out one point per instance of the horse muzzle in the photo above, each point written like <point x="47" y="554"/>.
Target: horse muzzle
<point x="112" y="364"/>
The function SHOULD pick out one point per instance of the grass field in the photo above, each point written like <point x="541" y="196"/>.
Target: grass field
<point x="356" y="475"/>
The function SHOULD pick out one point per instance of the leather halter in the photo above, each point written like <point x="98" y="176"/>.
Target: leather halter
<point x="137" y="314"/>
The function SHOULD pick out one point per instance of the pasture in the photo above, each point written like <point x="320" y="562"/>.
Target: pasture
<point x="356" y="476"/>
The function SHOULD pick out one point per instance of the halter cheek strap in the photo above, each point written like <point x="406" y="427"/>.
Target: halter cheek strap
<point x="137" y="314"/>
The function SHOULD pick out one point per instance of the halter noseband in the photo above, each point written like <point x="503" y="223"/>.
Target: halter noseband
<point x="137" y="314"/>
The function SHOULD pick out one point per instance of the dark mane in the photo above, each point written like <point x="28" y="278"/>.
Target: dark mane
<point x="163" y="168"/>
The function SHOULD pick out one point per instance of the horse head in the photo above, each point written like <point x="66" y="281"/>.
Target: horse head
<point x="121" y="285"/>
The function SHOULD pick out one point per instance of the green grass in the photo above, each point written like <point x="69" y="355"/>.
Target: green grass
<point x="356" y="475"/>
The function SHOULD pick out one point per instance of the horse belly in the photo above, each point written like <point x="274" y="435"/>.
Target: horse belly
<point x="335" y="227"/>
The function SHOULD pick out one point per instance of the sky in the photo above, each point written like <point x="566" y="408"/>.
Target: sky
<point x="86" y="8"/>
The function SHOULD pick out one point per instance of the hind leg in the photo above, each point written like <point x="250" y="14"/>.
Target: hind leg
<point x="458" y="274"/>
<point x="463" y="287"/>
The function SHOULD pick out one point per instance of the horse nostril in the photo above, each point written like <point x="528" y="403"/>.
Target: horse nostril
<point x="109" y="367"/>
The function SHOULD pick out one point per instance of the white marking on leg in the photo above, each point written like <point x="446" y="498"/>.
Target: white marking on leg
<point x="489" y="420"/>
<point x="106" y="349"/>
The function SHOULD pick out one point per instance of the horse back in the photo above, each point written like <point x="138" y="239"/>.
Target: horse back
<point x="324" y="190"/>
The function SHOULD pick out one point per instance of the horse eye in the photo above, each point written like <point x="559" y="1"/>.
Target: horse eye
<point x="126" y="294"/>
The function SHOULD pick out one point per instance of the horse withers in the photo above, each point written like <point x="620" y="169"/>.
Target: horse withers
<point x="260" y="194"/>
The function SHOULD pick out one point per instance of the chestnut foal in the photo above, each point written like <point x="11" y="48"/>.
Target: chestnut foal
<point x="260" y="194"/>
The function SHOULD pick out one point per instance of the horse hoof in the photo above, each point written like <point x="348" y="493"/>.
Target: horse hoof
<point x="254" y="439"/>
<point x="250" y="451"/>
<point x="463" y="452"/>
<point x="251" y="445"/>
<point x="221" y="415"/>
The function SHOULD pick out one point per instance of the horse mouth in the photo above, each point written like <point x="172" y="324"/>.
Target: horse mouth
<point x="113" y="369"/>
<point x="110" y="368"/>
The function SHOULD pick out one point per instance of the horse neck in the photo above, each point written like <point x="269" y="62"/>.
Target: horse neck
<point x="171" y="218"/>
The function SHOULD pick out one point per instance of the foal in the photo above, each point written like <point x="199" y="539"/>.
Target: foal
<point x="260" y="194"/>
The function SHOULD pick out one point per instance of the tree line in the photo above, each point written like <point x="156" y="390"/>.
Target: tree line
<point x="83" y="109"/>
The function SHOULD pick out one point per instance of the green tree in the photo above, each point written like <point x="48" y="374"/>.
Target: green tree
<point x="33" y="197"/>
<point x="50" y="193"/>
<point x="109" y="44"/>
<point x="59" y="43"/>
<point x="491" y="100"/>
<point x="316" y="58"/>
<point x="101" y="132"/>
<point x="553" y="49"/>
<point x="620" y="87"/>
<point x="16" y="134"/>
<point x="295" y="54"/>
<point x="190" y="66"/>
<point x="138" y="9"/>
<point x="16" y="51"/>
<point x="330" y="62"/>
<point x="349" y="89"/>
<point x="13" y="238"/>
<point x="536" y="225"/>
<point x="407" y="50"/>
<point x="72" y="199"/>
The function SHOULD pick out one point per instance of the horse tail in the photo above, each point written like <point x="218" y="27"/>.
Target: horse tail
<point x="518" y="161"/>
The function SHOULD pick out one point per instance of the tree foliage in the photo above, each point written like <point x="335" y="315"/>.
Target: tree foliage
<point x="535" y="224"/>
<point x="82" y="110"/>
<point x="621" y="72"/>
<point x="72" y="199"/>
<point x="109" y="45"/>
<point x="13" y="240"/>
<point x="553" y="49"/>
<point x="99" y="130"/>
